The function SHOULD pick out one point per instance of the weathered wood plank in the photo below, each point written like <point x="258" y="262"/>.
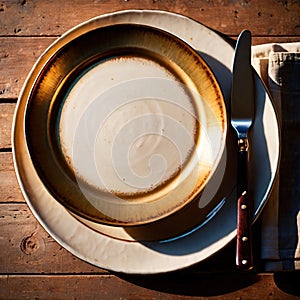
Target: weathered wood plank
<point x="162" y="287"/>
<point x="18" y="55"/>
<point x="9" y="187"/>
<point x="6" y="116"/>
<point x="42" y="18"/>
<point x="29" y="249"/>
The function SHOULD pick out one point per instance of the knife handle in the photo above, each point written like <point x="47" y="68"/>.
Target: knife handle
<point x="244" y="257"/>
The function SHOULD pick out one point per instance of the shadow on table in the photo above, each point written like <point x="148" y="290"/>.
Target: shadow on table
<point x="197" y="285"/>
<point x="288" y="282"/>
<point x="204" y="279"/>
<point x="215" y="277"/>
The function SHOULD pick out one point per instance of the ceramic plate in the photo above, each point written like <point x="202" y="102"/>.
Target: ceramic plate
<point x="218" y="228"/>
<point x="125" y="124"/>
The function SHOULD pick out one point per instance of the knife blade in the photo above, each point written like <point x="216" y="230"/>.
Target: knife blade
<point x="242" y="117"/>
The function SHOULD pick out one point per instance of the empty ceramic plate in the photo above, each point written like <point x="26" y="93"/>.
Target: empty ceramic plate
<point x="125" y="124"/>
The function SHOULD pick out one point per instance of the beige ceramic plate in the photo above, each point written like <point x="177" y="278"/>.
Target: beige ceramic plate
<point x="125" y="124"/>
<point x="183" y="250"/>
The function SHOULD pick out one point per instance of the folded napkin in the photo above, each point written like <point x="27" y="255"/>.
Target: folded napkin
<point x="279" y="67"/>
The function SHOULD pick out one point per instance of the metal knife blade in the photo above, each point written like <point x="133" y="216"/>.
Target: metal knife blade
<point x="242" y="117"/>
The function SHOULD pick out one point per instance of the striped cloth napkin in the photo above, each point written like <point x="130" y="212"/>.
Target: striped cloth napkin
<point x="279" y="67"/>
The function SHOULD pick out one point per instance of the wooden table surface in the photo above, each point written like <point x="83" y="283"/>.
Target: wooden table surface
<point x="32" y="264"/>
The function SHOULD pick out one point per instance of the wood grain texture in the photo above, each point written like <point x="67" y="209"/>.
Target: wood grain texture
<point x="17" y="57"/>
<point x="33" y="17"/>
<point x="126" y="287"/>
<point x="29" y="247"/>
<point x="6" y="116"/>
<point x="9" y="187"/>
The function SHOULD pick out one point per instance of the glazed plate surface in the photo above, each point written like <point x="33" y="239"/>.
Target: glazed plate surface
<point x="125" y="124"/>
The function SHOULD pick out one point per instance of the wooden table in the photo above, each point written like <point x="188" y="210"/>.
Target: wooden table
<point x="32" y="264"/>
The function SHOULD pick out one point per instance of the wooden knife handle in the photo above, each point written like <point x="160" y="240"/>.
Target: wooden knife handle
<point x="244" y="257"/>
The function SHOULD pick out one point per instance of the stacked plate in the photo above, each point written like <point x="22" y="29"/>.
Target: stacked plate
<point x="121" y="143"/>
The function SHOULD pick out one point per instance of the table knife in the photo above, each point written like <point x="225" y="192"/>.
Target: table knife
<point x="242" y="117"/>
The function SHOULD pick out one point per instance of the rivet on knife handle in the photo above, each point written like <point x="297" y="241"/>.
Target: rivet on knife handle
<point x="244" y="258"/>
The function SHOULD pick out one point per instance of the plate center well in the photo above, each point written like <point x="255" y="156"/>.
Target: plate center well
<point x="129" y="125"/>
